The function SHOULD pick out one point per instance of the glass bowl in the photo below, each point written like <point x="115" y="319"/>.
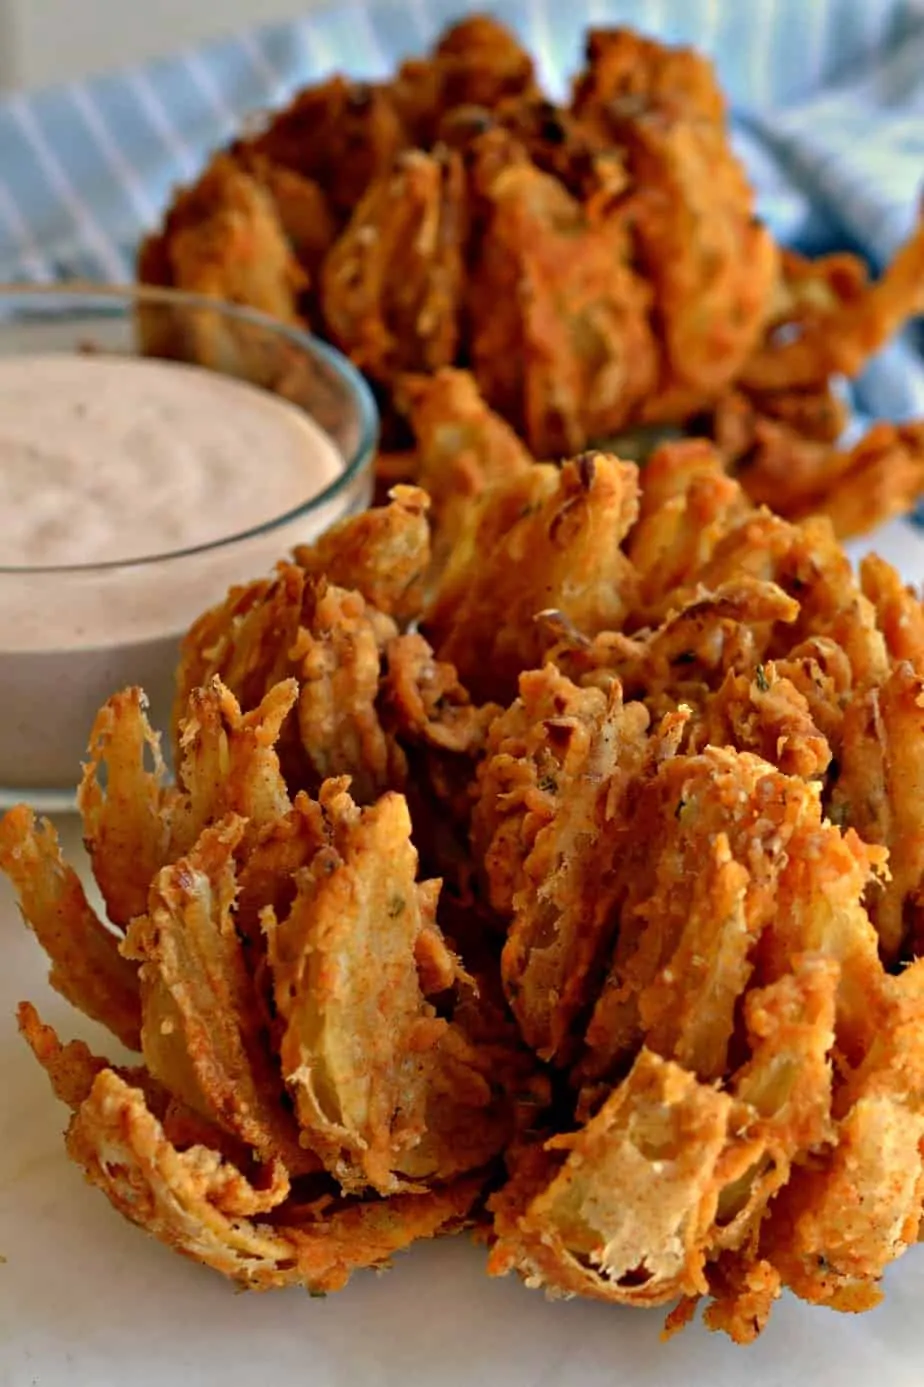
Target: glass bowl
<point x="71" y="636"/>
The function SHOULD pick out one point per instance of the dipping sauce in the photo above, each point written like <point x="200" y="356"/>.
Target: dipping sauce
<point x="106" y="458"/>
<point x="122" y="466"/>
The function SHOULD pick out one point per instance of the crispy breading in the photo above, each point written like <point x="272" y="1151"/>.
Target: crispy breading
<point x="423" y="701"/>
<point x="267" y="876"/>
<point x="484" y="1088"/>
<point x="223" y="238"/>
<point x="481" y="62"/>
<point x="301" y="206"/>
<point x="245" y="640"/>
<point x="832" y="1251"/>
<point x="784" y="1091"/>
<point x="882" y="478"/>
<point x="740" y="421"/>
<point x="391" y="285"/>
<point x="476" y="64"/>
<point x="463" y="448"/>
<point x="704" y="659"/>
<point x="441" y="734"/>
<point x="340" y="134"/>
<point x="359" y="1086"/>
<point x="742" y="1294"/>
<point x="326" y="643"/>
<point x="677" y="986"/>
<point x="858" y="487"/>
<point x="821" y="413"/>
<point x="561" y="344"/>
<point x="878" y="792"/>
<point x="385" y="1106"/>
<point x="562" y="552"/>
<point x="487" y="521"/>
<point x="622" y="1215"/>
<point x="899" y="611"/>
<point x="766" y="714"/>
<point x="711" y="263"/>
<point x="71" y="1068"/>
<point x="337" y="658"/>
<point x="367" y="699"/>
<point x="200" y="1032"/>
<point x="228" y="762"/>
<point x="820" y="910"/>
<point x="841" y="1220"/>
<point x="807" y="289"/>
<point x="383" y="553"/>
<point x="622" y="65"/>
<point x="584" y="162"/>
<point x="520" y="778"/>
<point x="820" y="670"/>
<point x="201" y="1206"/>
<point x="550" y="809"/>
<point x="127" y="825"/>
<point x="806" y="561"/>
<point x="86" y="966"/>
<point x="438" y="728"/>
<point x="725" y="628"/>
<point x="687" y="504"/>
<point x="681" y="661"/>
<point x="122" y="1148"/>
<point x="687" y="1011"/>
<point x="841" y="340"/>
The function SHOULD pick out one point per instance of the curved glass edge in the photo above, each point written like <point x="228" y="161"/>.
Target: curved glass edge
<point x="46" y="801"/>
<point x="77" y="294"/>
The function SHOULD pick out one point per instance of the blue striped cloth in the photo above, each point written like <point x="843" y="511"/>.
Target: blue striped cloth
<point x="827" y="98"/>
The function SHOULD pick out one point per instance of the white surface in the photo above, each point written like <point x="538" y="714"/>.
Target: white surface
<point x="55" y="40"/>
<point x="86" y="1300"/>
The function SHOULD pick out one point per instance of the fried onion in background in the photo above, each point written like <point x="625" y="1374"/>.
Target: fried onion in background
<point x="598" y="266"/>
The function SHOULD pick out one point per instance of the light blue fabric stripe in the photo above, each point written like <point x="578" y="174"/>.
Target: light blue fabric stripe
<point x="54" y="193"/>
<point x="351" y="33"/>
<point x="892" y="386"/>
<point x="207" y="78"/>
<point x="786" y="209"/>
<point x="98" y="186"/>
<point x="29" y="263"/>
<point x="859" y="148"/>
<point x="132" y="127"/>
<point x="398" y="28"/>
<point x="167" y="148"/>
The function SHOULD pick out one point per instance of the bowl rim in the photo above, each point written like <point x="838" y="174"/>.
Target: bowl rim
<point x="354" y="381"/>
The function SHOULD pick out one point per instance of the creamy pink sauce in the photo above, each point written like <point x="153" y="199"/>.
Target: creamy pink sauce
<point x="108" y="458"/>
<point x="104" y="459"/>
